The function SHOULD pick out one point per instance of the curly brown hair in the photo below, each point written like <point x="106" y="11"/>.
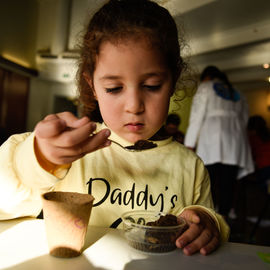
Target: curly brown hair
<point x="120" y="20"/>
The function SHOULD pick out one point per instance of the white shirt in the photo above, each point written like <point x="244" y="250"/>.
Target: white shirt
<point x="217" y="127"/>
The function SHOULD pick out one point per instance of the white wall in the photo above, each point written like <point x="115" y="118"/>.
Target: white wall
<point x="81" y="12"/>
<point x="259" y="101"/>
<point x="41" y="98"/>
<point x="29" y="26"/>
<point x="53" y="24"/>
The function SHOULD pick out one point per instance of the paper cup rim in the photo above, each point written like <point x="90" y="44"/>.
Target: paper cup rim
<point x="65" y="197"/>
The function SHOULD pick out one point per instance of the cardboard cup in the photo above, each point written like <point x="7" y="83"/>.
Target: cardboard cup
<point x="66" y="216"/>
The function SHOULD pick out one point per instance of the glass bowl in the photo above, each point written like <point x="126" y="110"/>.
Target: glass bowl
<point x="148" y="238"/>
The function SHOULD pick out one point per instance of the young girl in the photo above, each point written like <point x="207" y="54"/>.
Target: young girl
<point x="130" y="63"/>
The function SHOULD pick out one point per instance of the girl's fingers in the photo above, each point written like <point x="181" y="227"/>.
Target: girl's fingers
<point x="49" y="127"/>
<point x="97" y="141"/>
<point x="50" y="117"/>
<point x="65" y="155"/>
<point x="55" y="124"/>
<point x="71" y="120"/>
<point x="72" y="137"/>
<point x="202" y="234"/>
<point x="60" y="156"/>
<point x="201" y="241"/>
<point x="190" y="216"/>
<point x="210" y="246"/>
<point x="197" y="240"/>
<point x="93" y="143"/>
<point x="81" y="138"/>
<point x="188" y="236"/>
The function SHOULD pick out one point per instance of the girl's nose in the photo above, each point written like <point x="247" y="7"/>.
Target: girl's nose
<point x="134" y="102"/>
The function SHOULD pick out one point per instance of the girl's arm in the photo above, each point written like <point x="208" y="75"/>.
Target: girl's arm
<point x="22" y="180"/>
<point x="32" y="163"/>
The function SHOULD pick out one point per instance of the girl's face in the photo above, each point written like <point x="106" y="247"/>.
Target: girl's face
<point x="133" y="88"/>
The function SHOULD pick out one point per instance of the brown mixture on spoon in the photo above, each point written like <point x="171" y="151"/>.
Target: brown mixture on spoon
<point x="142" y="145"/>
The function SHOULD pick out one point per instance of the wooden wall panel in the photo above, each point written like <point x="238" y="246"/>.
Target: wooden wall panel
<point x="14" y="90"/>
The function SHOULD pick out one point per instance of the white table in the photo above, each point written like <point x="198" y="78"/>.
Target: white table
<point x="23" y="246"/>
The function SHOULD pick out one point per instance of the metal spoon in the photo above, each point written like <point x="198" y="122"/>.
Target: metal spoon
<point x="138" y="146"/>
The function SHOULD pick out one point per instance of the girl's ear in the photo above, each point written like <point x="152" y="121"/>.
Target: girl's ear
<point x="90" y="83"/>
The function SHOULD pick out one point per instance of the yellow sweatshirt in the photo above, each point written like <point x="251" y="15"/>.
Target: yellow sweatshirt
<point x="168" y="178"/>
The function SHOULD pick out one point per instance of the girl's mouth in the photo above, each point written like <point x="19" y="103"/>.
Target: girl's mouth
<point x="134" y="126"/>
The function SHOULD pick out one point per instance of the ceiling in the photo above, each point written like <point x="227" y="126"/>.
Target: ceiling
<point x="231" y="34"/>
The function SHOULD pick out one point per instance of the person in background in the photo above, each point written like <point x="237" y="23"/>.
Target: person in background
<point x="217" y="132"/>
<point x="259" y="138"/>
<point x="130" y="63"/>
<point x="171" y="127"/>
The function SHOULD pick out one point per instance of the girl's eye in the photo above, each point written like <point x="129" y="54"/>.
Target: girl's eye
<point x="153" y="87"/>
<point x="113" y="90"/>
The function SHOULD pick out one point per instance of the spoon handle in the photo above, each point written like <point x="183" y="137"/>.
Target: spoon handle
<point x="138" y="146"/>
<point x="125" y="148"/>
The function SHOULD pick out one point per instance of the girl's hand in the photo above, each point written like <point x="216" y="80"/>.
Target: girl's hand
<point x="63" y="138"/>
<point x="202" y="234"/>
